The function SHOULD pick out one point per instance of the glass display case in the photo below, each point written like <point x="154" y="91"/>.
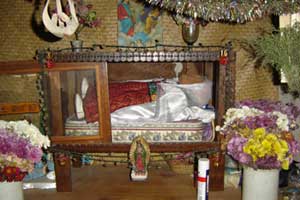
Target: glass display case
<point x="63" y="85"/>
<point x="65" y="90"/>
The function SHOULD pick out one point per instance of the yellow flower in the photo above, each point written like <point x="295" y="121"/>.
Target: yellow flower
<point x="261" y="152"/>
<point x="280" y="148"/>
<point x="251" y="149"/>
<point x="259" y="133"/>
<point x="284" y="145"/>
<point x="277" y="147"/>
<point x="266" y="145"/>
<point x="247" y="148"/>
<point x="285" y="164"/>
<point x="271" y="137"/>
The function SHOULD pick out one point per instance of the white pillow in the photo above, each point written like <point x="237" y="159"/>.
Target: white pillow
<point x="197" y="94"/>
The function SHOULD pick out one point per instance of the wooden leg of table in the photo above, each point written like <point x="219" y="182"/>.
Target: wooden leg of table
<point x="63" y="172"/>
<point x="216" y="171"/>
<point x="195" y="170"/>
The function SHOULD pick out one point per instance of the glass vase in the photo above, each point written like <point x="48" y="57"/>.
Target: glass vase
<point x="190" y="32"/>
<point x="76" y="45"/>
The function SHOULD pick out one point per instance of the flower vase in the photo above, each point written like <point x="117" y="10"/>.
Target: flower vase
<point x="76" y="45"/>
<point x="260" y="184"/>
<point x="11" y="190"/>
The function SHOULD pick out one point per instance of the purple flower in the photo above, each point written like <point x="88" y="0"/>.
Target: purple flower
<point x="267" y="162"/>
<point x="269" y="106"/>
<point x="294" y="147"/>
<point x="35" y="154"/>
<point x="245" y="158"/>
<point x="235" y="149"/>
<point x="265" y="120"/>
<point x="10" y="143"/>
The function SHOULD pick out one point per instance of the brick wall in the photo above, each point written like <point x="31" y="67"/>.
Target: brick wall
<point x="19" y="41"/>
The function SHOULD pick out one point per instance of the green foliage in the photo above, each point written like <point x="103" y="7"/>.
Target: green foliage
<point x="282" y="51"/>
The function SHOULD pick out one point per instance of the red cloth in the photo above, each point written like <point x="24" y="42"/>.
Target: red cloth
<point x="120" y="95"/>
<point x="128" y="93"/>
<point x="90" y="106"/>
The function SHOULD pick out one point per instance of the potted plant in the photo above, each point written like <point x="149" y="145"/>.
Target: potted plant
<point x="281" y="51"/>
<point x="257" y="135"/>
<point x="21" y="146"/>
<point x="87" y="19"/>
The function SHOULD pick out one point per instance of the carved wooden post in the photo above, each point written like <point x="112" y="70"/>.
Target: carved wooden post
<point x="217" y="167"/>
<point x="63" y="172"/>
<point x="216" y="171"/>
<point x="225" y="99"/>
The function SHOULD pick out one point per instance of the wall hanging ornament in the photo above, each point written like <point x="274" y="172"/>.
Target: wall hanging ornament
<point x="60" y="24"/>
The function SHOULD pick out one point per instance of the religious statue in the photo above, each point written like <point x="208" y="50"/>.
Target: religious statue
<point x="139" y="157"/>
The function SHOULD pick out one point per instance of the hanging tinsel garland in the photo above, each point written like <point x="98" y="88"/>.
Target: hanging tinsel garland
<point x="238" y="11"/>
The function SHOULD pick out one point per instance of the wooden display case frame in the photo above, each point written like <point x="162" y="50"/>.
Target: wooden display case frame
<point x="224" y="98"/>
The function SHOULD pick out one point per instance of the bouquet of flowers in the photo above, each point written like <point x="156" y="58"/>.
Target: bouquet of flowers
<point x="86" y="16"/>
<point x="257" y="134"/>
<point x="21" y="146"/>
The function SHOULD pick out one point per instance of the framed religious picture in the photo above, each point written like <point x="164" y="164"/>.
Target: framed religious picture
<point x="138" y="24"/>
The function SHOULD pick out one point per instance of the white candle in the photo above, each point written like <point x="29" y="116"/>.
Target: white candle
<point x="203" y="179"/>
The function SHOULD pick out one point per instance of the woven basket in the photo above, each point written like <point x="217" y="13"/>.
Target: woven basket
<point x="181" y="167"/>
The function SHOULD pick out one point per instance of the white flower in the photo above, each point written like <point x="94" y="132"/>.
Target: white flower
<point x="239" y="113"/>
<point x="3" y="124"/>
<point x="27" y="131"/>
<point x="282" y="121"/>
<point x="232" y="114"/>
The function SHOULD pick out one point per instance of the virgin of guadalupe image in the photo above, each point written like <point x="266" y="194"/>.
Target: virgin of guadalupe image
<point x="139" y="157"/>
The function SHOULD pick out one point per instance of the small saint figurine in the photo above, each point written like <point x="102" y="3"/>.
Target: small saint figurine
<point x="139" y="158"/>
